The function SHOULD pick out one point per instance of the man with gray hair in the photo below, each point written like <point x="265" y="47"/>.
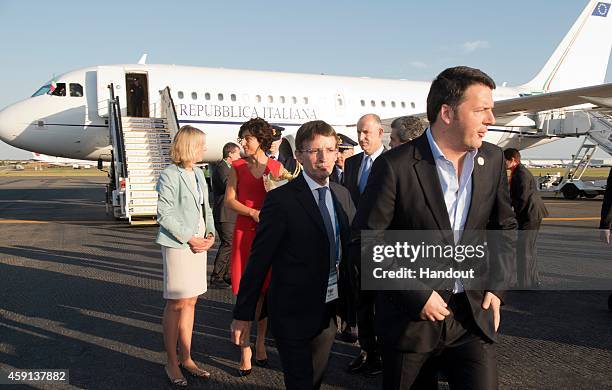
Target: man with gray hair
<point x="356" y="174"/>
<point x="404" y="129"/>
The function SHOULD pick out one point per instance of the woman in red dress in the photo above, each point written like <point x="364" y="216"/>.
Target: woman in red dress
<point x="245" y="194"/>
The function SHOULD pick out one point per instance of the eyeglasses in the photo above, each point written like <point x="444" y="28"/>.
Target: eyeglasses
<point x="315" y="152"/>
<point x="245" y="138"/>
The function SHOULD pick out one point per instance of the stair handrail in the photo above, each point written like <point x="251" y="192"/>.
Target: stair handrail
<point x="116" y="132"/>
<point x="168" y="111"/>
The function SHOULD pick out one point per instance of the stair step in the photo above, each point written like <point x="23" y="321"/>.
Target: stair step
<point x="142" y="186"/>
<point x="140" y="166"/>
<point x="134" y="119"/>
<point x="145" y="141"/>
<point x="143" y="194"/>
<point x="149" y="159"/>
<point x="152" y="179"/>
<point x="148" y="152"/>
<point x="143" y="202"/>
<point x="144" y="173"/>
<point x="145" y="134"/>
<point x="143" y="210"/>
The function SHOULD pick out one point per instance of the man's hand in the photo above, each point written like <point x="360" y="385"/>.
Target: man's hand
<point x="434" y="309"/>
<point x="604" y="235"/>
<point x="240" y="332"/>
<point x="491" y="300"/>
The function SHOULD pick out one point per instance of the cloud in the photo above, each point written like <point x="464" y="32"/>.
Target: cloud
<point x="471" y="46"/>
<point x="418" y="64"/>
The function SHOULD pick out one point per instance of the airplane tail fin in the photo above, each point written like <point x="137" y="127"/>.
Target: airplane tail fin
<point x="581" y="59"/>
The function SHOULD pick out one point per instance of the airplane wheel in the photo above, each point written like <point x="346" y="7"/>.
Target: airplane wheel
<point x="590" y="196"/>
<point x="570" y="191"/>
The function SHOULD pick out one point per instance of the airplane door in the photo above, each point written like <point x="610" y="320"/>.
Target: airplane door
<point x="106" y="76"/>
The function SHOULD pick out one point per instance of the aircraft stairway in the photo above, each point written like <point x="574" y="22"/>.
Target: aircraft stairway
<point x="147" y="152"/>
<point x="601" y="130"/>
<point x="141" y="150"/>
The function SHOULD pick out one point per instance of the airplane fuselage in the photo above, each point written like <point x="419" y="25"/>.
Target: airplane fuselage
<point x="217" y="101"/>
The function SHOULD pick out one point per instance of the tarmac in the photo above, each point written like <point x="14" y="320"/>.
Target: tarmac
<point x="82" y="291"/>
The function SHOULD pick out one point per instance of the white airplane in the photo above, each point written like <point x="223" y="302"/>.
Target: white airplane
<point x="68" y="116"/>
<point x="62" y="161"/>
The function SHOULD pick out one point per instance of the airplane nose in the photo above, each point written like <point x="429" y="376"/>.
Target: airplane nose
<point x="9" y="124"/>
<point x="5" y="126"/>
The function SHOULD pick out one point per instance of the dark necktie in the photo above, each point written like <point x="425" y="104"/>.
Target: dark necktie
<point x="365" y="173"/>
<point x="328" y="227"/>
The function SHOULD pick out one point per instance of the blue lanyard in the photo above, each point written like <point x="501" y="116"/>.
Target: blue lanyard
<point x="337" y="236"/>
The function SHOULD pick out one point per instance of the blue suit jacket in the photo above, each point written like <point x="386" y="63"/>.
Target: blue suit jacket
<point x="178" y="207"/>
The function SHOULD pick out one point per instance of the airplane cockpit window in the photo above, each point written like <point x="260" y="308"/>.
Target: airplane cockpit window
<point x="60" y="89"/>
<point x="76" y="90"/>
<point x="42" y="90"/>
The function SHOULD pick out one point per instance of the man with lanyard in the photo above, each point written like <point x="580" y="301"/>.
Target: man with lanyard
<point x="303" y="235"/>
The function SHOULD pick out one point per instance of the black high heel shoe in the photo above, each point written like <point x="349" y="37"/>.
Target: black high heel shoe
<point x="244" y="372"/>
<point x="262" y="362"/>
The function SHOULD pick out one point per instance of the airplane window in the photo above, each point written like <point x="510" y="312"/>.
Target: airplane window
<point x="293" y="100"/>
<point x="270" y="99"/>
<point x="403" y="105"/>
<point x="194" y="96"/>
<point x="305" y="100"/>
<point x="42" y="90"/>
<point x="382" y="103"/>
<point x="258" y="98"/>
<point x="207" y="96"/>
<point x="393" y="103"/>
<point x="220" y="97"/>
<point x="282" y="99"/>
<point x="412" y="105"/>
<point x="180" y="94"/>
<point x="362" y="103"/>
<point x="76" y="90"/>
<point x="60" y="90"/>
<point x="233" y="97"/>
<point x="373" y="103"/>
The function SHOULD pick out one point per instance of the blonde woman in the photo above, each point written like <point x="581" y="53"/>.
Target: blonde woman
<point x="186" y="232"/>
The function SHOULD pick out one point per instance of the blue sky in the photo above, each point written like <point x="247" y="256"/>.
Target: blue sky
<point x="393" y="39"/>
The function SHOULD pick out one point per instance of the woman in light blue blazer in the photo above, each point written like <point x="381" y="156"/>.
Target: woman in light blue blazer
<point x="186" y="232"/>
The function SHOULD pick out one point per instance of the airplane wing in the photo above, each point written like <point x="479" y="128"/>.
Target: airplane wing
<point x="508" y="111"/>
<point x="551" y="100"/>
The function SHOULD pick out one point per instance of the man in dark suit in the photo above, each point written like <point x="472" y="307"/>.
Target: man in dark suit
<point x="529" y="210"/>
<point x="224" y="217"/>
<point x="303" y="236"/>
<point x="356" y="174"/>
<point x="447" y="180"/>
<point x="346" y="149"/>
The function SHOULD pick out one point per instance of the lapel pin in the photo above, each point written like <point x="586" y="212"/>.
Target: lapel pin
<point x="480" y="161"/>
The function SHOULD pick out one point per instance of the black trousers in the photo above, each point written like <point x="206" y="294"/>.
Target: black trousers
<point x="221" y="269"/>
<point x="526" y="257"/>
<point x="304" y="360"/>
<point x="468" y="359"/>
<point x="365" y="324"/>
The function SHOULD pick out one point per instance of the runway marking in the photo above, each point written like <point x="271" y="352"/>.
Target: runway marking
<point x="573" y="219"/>
<point x="21" y="221"/>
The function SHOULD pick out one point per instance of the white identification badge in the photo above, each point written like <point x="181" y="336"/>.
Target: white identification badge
<point x="332" y="287"/>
